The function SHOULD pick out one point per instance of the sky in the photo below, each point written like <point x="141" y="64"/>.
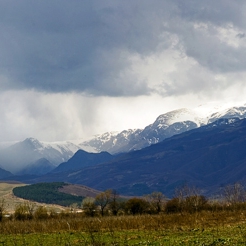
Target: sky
<point x="73" y="69"/>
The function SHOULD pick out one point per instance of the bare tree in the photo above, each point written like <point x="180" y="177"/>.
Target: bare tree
<point x="103" y="199"/>
<point x="115" y="204"/>
<point x="190" y="198"/>
<point x="156" y="201"/>
<point x="234" y="193"/>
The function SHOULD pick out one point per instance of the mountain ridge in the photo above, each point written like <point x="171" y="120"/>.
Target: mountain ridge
<point x="165" y="126"/>
<point x="21" y="154"/>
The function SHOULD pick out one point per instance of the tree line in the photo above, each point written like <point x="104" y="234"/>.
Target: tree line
<point x="186" y="200"/>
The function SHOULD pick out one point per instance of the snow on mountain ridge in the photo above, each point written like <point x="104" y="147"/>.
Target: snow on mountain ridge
<point x="110" y="141"/>
<point x="167" y="125"/>
<point x="179" y="115"/>
<point x="62" y="146"/>
<point x="234" y="112"/>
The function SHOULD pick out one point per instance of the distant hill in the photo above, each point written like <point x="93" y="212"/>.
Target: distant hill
<point x="47" y="193"/>
<point x="5" y="174"/>
<point x="39" y="167"/>
<point x="82" y="159"/>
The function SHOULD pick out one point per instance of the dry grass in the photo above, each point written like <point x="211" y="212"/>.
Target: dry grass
<point x="79" y="190"/>
<point x="204" y="228"/>
<point x="6" y="188"/>
<point x="77" y="222"/>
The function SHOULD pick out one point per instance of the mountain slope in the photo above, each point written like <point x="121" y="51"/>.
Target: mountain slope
<point x="39" y="167"/>
<point x="5" y="174"/>
<point x="208" y="157"/>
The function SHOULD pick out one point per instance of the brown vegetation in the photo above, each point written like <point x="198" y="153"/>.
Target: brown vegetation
<point x="79" y="190"/>
<point x="188" y="213"/>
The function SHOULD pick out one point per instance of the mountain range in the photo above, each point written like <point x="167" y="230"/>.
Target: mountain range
<point x="66" y="161"/>
<point x="25" y="154"/>
<point x="208" y="157"/>
<point x="165" y="126"/>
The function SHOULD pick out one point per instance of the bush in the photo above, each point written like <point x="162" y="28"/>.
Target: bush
<point x="173" y="206"/>
<point x="136" y="206"/>
<point x="41" y="213"/>
<point x="195" y="203"/>
<point x="89" y="207"/>
<point x="24" y="211"/>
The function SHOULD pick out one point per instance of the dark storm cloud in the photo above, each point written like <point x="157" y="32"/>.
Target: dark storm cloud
<point x="86" y="46"/>
<point x="73" y="45"/>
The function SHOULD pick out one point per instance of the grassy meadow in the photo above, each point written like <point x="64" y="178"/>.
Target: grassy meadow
<point x="220" y="228"/>
<point x="212" y="226"/>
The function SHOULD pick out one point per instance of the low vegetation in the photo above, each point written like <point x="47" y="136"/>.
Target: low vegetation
<point x="108" y="219"/>
<point x="202" y="228"/>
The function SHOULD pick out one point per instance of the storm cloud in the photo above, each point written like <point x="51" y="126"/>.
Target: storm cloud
<point x="87" y="46"/>
<point x="80" y="54"/>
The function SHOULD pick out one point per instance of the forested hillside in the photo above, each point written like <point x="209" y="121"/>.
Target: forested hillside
<point x="47" y="193"/>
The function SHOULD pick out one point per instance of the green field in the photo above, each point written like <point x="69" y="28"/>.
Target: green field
<point x="225" y="237"/>
<point x="222" y="228"/>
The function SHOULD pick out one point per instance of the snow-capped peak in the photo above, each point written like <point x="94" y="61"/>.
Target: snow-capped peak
<point x="179" y="115"/>
<point x="33" y="142"/>
<point x="234" y="112"/>
<point x="61" y="146"/>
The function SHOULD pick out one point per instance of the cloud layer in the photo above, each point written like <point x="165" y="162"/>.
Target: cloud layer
<point x="90" y="51"/>
<point x="87" y="46"/>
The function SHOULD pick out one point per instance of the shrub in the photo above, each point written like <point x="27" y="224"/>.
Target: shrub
<point x="24" y="211"/>
<point x="41" y="213"/>
<point x="173" y="206"/>
<point x="195" y="203"/>
<point x="136" y="206"/>
<point x="89" y="206"/>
